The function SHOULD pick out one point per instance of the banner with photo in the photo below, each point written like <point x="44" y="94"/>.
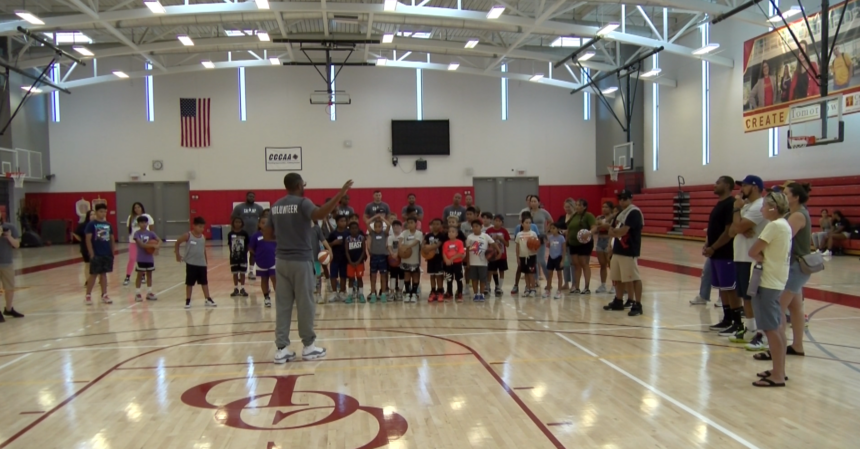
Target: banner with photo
<point x="777" y="76"/>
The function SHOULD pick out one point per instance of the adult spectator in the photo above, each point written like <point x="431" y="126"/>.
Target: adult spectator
<point x="561" y="224"/>
<point x="290" y="227"/>
<point x="455" y="209"/>
<point x="137" y="210"/>
<point x="541" y="218"/>
<point x="841" y="231"/>
<point x="819" y="239"/>
<point x="343" y="207"/>
<point x="719" y="248"/>
<point x="624" y="268"/>
<point x="469" y="201"/>
<point x="747" y="224"/>
<point x="250" y="213"/>
<point x="376" y="208"/>
<point x="580" y="253"/>
<point x="9" y="241"/>
<point x="410" y="201"/>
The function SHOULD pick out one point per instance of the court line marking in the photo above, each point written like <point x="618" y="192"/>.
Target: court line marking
<point x="665" y="396"/>
<point x="13" y="361"/>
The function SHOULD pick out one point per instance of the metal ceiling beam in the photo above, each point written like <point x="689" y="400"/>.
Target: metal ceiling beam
<point x="528" y="32"/>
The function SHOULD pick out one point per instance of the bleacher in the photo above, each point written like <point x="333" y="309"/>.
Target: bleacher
<point x="684" y="214"/>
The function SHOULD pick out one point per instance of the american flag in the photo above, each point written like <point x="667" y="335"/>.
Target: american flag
<point x="194" y="113"/>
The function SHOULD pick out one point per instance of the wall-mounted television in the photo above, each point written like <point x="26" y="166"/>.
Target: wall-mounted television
<point x="420" y="138"/>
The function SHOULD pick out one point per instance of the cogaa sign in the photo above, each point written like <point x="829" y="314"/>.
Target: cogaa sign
<point x="283" y="158"/>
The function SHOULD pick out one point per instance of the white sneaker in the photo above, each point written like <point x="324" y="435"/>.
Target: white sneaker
<point x="313" y="352"/>
<point x="284" y="355"/>
<point x="267" y="301"/>
<point x="557" y="294"/>
<point x="138" y="298"/>
<point x="699" y="301"/>
<point x="827" y="253"/>
<point x="210" y="303"/>
<point x="545" y="294"/>
<point x="333" y="297"/>
<point x="251" y="276"/>
<point x="601" y="289"/>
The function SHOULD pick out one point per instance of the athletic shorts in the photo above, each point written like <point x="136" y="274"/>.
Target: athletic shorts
<point x="527" y="264"/>
<point x="395" y="273"/>
<point x="196" y="274"/>
<point x="602" y="245"/>
<point x="478" y="273"/>
<point x="742" y="274"/>
<point x="101" y="265"/>
<point x="435" y="266"/>
<point x="86" y="256"/>
<point x="583" y="249"/>
<point x="723" y="276"/>
<point x="378" y="263"/>
<point x="410" y="267"/>
<point x="454" y="272"/>
<point x="555" y="264"/>
<point x="355" y="272"/>
<point x="768" y="314"/>
<point x="500" y="265"/>
<point x="796" y="278"/>
<point x="143" y="267"/>
<point x="338" y="270"/>
<point x="7" y="277"/>
<point x="265" y="272"/>
<point x="237" y="268"/>
<point x="623" y="268"/>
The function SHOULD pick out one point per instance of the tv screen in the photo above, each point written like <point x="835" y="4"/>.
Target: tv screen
<point x="420" y="138"/>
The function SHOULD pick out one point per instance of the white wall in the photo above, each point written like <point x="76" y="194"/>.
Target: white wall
<point x="733" y="152"/>
<point x="103" y="134"/>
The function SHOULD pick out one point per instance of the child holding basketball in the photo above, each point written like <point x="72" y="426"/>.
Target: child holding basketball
<point x="237" y="238"/>
<point x="356" y="253"/>
<point x="435" y="265"/>
<point x="498" y="267"/>
<point x="394" y="271"/>
<point x="320" y="270"/>
<point x="147" y="244"/>
<point x="527" y="257"/>
<point x="264" y="258"/>
<point x="556" y="244"/>
<point x="453" y="253"/>
<point x="410" y="259"/>
<point x="195" y="261"/>
<point x="337" y="268"/>
<point x="517" y="230"/>
<point x="378" y="261"/>
<point x="478" y="243"/>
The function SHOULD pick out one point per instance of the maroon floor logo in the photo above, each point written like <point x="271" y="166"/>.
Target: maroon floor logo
<point x="391" y="427"/>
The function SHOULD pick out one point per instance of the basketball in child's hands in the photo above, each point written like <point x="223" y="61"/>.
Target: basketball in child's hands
<point x="393" y="261"/>
<point x="454" y="256"/>
<point x="491" y="254"/>
<point x="405" y="252"/>
<point x="324" y="257"/>
<point x="151" y="248"/>
<point x="584" y="236"/>
<point x="428" y="253"/>
<point x="533" y="243"/>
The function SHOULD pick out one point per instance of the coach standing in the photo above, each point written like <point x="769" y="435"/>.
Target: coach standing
<point x="290" y="226"/>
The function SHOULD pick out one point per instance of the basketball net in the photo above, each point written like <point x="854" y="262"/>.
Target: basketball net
<point x="17" y="177"/>
<point x="613" y="171"/>
<point x="801" y="141"/>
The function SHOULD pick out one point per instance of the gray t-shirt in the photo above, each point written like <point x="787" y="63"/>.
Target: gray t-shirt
<point x="317" y="236"/>
<point x="451" y="211"/>
<point x="6" y="247"/>
<point x="373" y="208"/>
<point x="291" y="221"/>
<point x="250" y="214"/>
<point x="418" y="209"/>
<point x="540" y="218"/>
<point x="195" y="250"/>
<point x="345" y="211"/>
<point x="378" y="243"/>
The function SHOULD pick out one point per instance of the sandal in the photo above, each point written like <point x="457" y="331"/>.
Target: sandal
<point x="763" y="356"/>
<point x="767" y="383"/>
<point x="789" y="350"/>
<point x="766" y="374"/>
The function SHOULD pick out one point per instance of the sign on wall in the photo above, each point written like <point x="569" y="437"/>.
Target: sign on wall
<point x="774" y="78"/>
<point x="283" y="158"/>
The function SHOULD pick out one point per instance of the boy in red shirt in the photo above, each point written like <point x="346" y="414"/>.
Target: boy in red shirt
<point x="498" y="267"/>
<point x="453" y="253"/>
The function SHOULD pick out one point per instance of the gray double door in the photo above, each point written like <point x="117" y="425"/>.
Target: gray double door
<point x="506" y="196"/>
<point x="167" y="202"/>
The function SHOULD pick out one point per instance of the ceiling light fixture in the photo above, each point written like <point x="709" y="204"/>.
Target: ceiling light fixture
<point x="82" y="50"/>
<point x="472" y="43"/>
<point x="706" y="49"/>
<point x="208" y="64"/>
<point x="566" y="42"/>
<point x="609" y="90"/>
<point x="262" y="4"/>
<point x="381" y="62"/>
<point x="120" y="74"/>
<point x="275" y="61"/>
<point x="389" y="5"/>
<point x="536" y="77"/>
<point x="32" y="90"/>
<point x="387" y="38"/>
<point x="651" y="73"/>
<point x="495" y="12"/>
<point x="155" y="6"/>
<point x="29" y="17"/>
<point x="263" y="36"/>
<point x="586" y="56"/>
<point x="186" y="41"/>
<point x="454" y="66"/>
<point x="795" y="10"/>
<point x="608" y="28"/>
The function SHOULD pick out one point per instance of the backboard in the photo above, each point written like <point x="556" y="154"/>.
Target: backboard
<point x="622" y="155"/>
<point x="321" y="97"/>
<point x="806" y="127"/>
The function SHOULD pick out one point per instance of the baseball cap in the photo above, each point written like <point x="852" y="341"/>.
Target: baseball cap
<point x="752" y="180"/>
<point x="782" y="186"/>
<point x="625" y="195"/>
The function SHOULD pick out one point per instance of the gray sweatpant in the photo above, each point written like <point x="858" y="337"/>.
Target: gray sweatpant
<point x="296" y="285"/>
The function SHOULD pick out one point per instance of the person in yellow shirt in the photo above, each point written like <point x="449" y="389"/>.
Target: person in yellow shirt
<point x="842" y="68"/>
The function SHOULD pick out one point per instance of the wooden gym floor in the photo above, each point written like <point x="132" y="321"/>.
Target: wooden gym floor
<point x="509" y="373"/>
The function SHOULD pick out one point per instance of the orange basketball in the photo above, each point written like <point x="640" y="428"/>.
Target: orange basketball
<point x="149" y="249"/>
<point x="324" y="257"/>
<point x="393" y="261"/>
<point x="405" y="252"/>
<point x="533" y="243"/>
<point x="428" y="253"/>
<point x="492" y="254"/>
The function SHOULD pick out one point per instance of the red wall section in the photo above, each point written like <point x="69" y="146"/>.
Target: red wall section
<point x="61" y="206"/>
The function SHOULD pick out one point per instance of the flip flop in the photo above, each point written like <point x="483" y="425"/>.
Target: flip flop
<point x="766" y="374"/>
<point x="763" y="356"/>
<point x="789" y="350"/>
<point x="769" y="383"/>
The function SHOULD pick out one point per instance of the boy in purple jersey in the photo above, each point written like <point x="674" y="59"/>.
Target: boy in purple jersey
<point x="144" y="239"/>
<point x="263" y="252"/>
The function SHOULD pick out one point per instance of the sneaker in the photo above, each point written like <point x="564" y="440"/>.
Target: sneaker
<point x="431" y="297"/>
<point x="722" y="325"/>
<point x="515" y="290"/>
<point x="699" y="301"/>
<point x="13" y="313"/>
<point x="361" y="298"/>
<point x="741" y="336"/>
<point x="138" y="297"/>
<point x="151" y="297"/>
<point x="313" y="352"/>
<point x="615" y="304"/>
<point x="827" y="253"/>
<point x="731" y="330"/>
<point x="481" y="298"/>
<point x="210" y="303"/>
<point x="383" y="298"/>
<point x="252" y="276"/>
<point x="187" y="303"/>
<point x="557" y="294"/>
<point x="267" y="301"/>
<point x="242" y="292"/>
<point x="526" y="293"/>
<point x="89" y="300"/>
<point x="636" y="310"/>
<point x="447" y="297"/>
<point x="459" y="297"/>
<point x="126" y="281"/>
<point x="757" y="343"/>
<point x="235" y="293"/>
<point x="629" y="303"/>
<point x="475" y="299"/>
<point x="333" y="297"/>
<point x="348" y="300"/>
<point x="585" y="292"/>
<point x="601" y="289"/>
<point x="545" y="294"/>
<point x="498" y="292"/>
<point x="371" y="298"/>
<point x="106" y="299"/>
<point x="575" y="291"/>
<point x="284" y="355"/>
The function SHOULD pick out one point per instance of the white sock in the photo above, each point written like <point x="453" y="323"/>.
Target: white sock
<point x="137" y="291"/>
<point x="750" y="324"/>
<point x="149" y="289"/>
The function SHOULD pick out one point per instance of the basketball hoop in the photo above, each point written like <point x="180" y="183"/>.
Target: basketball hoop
<point x="613" y="171"/>
<point x="801" y="141"/>
<point x="17" y="177"/>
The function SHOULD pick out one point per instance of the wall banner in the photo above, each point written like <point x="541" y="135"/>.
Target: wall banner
<point x="283" y="158"/>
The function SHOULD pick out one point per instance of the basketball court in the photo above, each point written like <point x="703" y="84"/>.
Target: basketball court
<point x="494" y="101"/>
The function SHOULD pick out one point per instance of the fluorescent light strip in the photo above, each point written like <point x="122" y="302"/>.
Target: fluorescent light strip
<point x="186" y="41"/>
<point x="381" y="62"/>
<point x="504" y="93"/>
<point x="120" y="74"/>
<point x="608" y="28"/>
<point x="706" y="49"/>
<point x="454" y="66"/>
<point x="155" y="7"/>
<point x="333" y="112"/>
<point x="651" y="73"/>
<point x="419" y="94"/>
<point x="29" y="17"/>
<point x="150" y="106"/>
<point x="387" y="38"/>
<point x="389" y="5"/>
<point x="566" y="42"/>
<point x="586" y="56"/>
<point x="208" y="64"/>
<point x="83" y="50"/>
<point x="609" y="90"/>
<point x="472" y="43"/>
<point x="795" y="10"/>
<point x="263" y="36"/>
<point x="536" y="77"/>
<point x="275" y="61"/>
<point x="34" y="90"/>
<point x="55" y="95"/>
<point x="243" y="113"/>
<point x="262" y="4"/>
<point x="655" y="116"/>
<point x="495" y="12"/>
<point x="586" y="95"/>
